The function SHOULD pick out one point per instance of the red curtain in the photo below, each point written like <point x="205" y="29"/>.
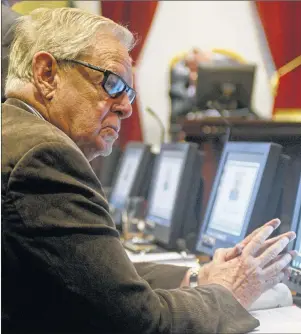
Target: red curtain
<point x="137" y="16"/>
<point x="281" y="21"/>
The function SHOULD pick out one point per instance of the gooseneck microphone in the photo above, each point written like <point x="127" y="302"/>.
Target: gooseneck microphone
<point x="211" y="105"/>
<point x="159" y="121"/>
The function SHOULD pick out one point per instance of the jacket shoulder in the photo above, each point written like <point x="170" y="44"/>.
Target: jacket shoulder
<point x="23" y="131"/>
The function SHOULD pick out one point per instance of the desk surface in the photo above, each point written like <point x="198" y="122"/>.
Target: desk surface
<point x="278" y="320"/>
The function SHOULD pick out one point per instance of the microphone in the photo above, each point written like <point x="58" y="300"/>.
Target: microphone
<point x="225" y="120"/>
<point x="159" y="121"/>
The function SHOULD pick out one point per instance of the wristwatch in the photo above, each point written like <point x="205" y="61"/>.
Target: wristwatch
<point x="193" y="277"/>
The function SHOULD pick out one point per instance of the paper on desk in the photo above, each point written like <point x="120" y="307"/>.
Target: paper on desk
<point x="278" y="320"/>
<point x="279" y="296"/>
<point x="160" y="257"/>
<point x="186" y="263"/>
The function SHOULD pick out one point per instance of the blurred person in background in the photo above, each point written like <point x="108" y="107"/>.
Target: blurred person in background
<point x="183" y="82"/>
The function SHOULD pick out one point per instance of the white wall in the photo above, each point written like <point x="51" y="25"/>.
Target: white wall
<point x="179" y="25"/>
<point x="93" y="7"/>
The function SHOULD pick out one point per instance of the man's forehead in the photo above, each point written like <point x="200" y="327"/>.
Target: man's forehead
<point x="110" y="49"/>
<point x="110" y="54"/>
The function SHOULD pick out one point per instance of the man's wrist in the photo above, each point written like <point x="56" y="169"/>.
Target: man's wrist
<point x="191" y="278"/>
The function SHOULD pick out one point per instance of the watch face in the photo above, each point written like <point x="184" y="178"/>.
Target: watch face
<point x="193" y="279"/>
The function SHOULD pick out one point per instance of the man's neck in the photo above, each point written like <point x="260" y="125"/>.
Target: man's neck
<point x="27" y="97"/>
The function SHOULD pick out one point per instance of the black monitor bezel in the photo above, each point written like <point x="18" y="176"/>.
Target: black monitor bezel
<point x="168" y="235"/>
<point x="271" y="154"/>
<point x="296" y="217"/>
<point x="136" y="187"/>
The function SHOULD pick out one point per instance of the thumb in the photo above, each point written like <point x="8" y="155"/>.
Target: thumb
<point x="233" y="252"/>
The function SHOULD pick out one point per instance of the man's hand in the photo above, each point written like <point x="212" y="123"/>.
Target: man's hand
<point x="227" y="254"/>
<point x="223" y="255"/>
<point x="257" y="269"/>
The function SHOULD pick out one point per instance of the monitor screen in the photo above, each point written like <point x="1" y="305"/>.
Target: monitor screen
<point x="166" y="183"/>
<point x="233" y="197"/>
<point x="126" y="177"/>
<point x="225" y="87"/>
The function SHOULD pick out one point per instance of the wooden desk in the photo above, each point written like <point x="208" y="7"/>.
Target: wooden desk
<point x="253" y="130"/>
<point x="210" y="133"/>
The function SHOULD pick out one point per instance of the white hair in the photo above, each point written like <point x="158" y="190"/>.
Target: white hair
<point x="63" y="32"/>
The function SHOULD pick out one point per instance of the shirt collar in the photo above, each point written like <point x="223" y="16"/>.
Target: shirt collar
<point x="25" y="105"/>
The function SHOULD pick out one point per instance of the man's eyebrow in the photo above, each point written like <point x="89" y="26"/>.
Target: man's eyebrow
<point x="115" y="70"/>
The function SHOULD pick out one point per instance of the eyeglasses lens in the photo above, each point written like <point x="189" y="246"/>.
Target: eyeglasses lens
<point x="114" y="85"/>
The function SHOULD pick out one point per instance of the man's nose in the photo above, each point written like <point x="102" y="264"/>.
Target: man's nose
<point x="125" y="109"/>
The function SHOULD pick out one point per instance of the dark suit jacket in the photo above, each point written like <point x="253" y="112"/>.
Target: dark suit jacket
<point x="63" y="266"/>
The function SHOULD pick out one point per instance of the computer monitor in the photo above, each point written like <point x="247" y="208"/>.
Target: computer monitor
<point x="294" y="282"/>
<point x="175" y="195"/>
<point x="133" y="176"/>
<point x="246" y="183"/>
<point x="225" y="87"/>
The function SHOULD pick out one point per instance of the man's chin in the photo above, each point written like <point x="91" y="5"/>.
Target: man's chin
<point x="103" y="153"/>
<point x="107" y="147"/>
<point x="106" y="152"/>
<point x="104" y="147"/>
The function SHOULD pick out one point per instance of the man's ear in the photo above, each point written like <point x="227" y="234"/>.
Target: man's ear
<point x="45" y="74"/>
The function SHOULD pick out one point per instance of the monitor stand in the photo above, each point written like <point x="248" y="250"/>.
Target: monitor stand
<point x="225" y="109"/>
<point x="143" y="246"/>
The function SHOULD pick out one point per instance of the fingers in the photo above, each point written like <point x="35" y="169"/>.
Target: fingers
<point x="277" y="266"/>
<point x="269" y="242"/>
<point x="227" y="254"/>
<point x="272" y="252"/>
<point x="274" y="223"/>
<point x="287" y="272"/>
<point x="233" y="252"/>
<point x="293" y="254"/>
<point x="258" y="240"/>
<point x="220" y="255"/>
<point x="271" y="282"/>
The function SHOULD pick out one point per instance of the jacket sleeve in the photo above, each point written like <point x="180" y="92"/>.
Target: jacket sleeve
<point x="161" y="276"/>
<point x="69" y="240"/>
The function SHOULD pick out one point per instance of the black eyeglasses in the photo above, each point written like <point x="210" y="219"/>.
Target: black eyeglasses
<point x="112" y="83"/>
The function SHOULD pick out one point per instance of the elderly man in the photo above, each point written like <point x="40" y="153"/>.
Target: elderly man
<point x="64" y="269"/>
